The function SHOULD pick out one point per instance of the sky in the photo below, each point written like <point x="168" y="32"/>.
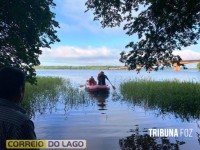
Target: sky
<point x="85" y="42"/>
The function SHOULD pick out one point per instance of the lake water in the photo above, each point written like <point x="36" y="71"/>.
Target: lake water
<point x="107" y="121"/>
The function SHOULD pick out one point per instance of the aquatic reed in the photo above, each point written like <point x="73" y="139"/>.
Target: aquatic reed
<point x="181" y="98"/>
<point x="50" y="91"/>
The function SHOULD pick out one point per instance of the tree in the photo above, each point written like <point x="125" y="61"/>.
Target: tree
<point x="198" y="66"/>
<point x="162" y="26"/>
<point x="26" y="26"/>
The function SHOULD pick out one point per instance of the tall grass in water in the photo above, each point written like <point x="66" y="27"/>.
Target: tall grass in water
<point x="74" y="97"/>
<point x="180" y="98"/>
<point x="48" y="92"/>
<point x="43" y="95"/>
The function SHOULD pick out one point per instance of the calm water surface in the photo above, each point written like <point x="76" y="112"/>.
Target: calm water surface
<point x="106" y="120"/>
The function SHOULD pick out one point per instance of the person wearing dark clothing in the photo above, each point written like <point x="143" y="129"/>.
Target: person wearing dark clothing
<point x="102" y="78"/>
<point x="14" y="123"/>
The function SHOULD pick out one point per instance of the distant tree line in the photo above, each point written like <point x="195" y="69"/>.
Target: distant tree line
<point x="198" y="66"/>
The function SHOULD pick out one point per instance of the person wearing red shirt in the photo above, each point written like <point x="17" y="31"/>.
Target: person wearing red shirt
<point x="92" y="81"/>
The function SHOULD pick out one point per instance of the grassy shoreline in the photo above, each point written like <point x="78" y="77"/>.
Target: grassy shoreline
<point x="179" y="98"/>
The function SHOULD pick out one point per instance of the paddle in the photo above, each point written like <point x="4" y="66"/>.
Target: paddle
<point x="112" y="85"/>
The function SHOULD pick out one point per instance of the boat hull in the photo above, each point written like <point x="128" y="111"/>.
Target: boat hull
<point x="94" y="88"/>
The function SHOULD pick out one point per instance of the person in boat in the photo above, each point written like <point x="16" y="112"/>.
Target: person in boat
<point x="102" y="78"/>
<point x="92" y="81"/>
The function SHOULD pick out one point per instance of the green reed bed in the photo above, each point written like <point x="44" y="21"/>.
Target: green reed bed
<point x="74" y="97"/>
<point x="48" y="92"/>
<point x="180" y="98"/>
<point x="45" y="94"/>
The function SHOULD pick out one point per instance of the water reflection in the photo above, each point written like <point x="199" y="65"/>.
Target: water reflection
<point x="143" y="141"/>
<point x="198" y="134"/>
<point x="101" y="97"/>
<point x="186" y="111"/>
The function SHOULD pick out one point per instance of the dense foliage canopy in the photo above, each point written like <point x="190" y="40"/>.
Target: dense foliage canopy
<point x="26" y="26"/>
<point x="162" y="26"/>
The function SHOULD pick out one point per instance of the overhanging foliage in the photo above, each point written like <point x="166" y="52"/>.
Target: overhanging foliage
<point x="162" y="26"/>
<point x="25" y="27"/>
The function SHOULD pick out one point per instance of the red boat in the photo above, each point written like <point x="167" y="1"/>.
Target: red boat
<point x="96" y="87"/>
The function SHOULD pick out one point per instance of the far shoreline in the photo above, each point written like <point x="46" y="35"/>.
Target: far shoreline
<point x="94" y="68"/>
<point x="82" y="67"/>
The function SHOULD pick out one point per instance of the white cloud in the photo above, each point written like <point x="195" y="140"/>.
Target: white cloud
<point x="70" y="55"/>
<point x="75" y="52"/>
<point x="188" y="54"/>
